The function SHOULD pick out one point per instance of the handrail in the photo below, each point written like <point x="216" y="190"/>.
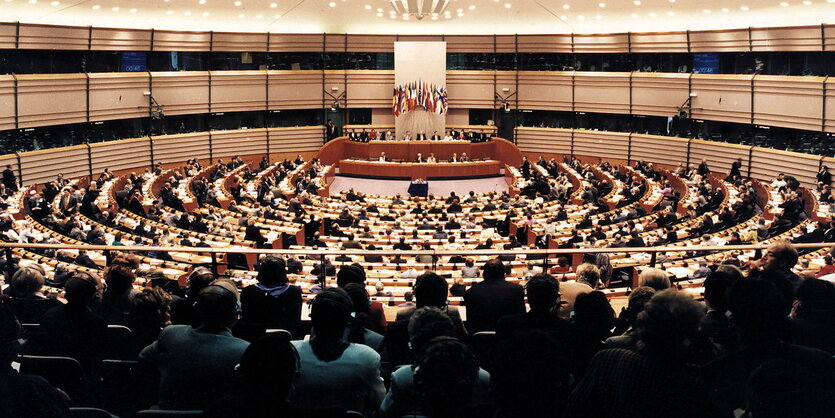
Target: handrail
<point x="124" y="248"/>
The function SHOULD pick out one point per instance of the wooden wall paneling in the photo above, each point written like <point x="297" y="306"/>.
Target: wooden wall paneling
<point x="51" y="99"/>
<point x="335" y="42"/>
<point x="718" y="155"/>
<point x="790" y="102"/>
<point x="7" y="102"/>
<point x="239" y="42"/>
<point x="169" y="40"/>
<point x="482" y="44"/>
<point x="44" y="165"/>
<point x="126" y="154"/>
<point x="238" y="91"/>
<point x="506" y="80"/>
<point x="371" y="43"/>
<point x="8" y="35"/>
<point x="829" y="118"/>
<point x="666" y="42"/>
<point x="181" y="92"/>
<point x="728" y="40"/>
<point x="829" y="37"/>
<point x="295" y="90"/>
<point x="796" y="38"/>
<point x="766" y="163"/>
<point x="601" y="144"/>
<point x="470" y="89"/>
<point x="34" y="36"/>
<point x="109" y="39"/>
<point x="659" y="94"/>
<point x="543" y="140"/>
<point x="226" y="144"/>
<point x="296" y="42"/>
<point x="602" y="92"/>
<point x="659" y="149"/>
<point x="555" y="44"/>
<point x="543" y="90"/>
<point x="601" y="43"/>
<point x="118" y="95"/>
<point x="722" y="97"/>
<point x="370" y="89"/>
<point x="505" y="44"/>
<point x="296" y="140"/>
<point x="180" y="147"/>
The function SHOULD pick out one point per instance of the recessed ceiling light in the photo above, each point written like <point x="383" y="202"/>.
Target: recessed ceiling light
<point x="367" y="6"/>
<point x="725" y="10"/>
<point x="507" y="5"/>
<point x="460" y="10"/>
<point x="472" y="7"/>
<point x="115" y="9"/>
<point x="744" y="8"/>
<point x="96" y="7"/>
<point x="332" y="4"/>
<point x="33" y="1"/>
<point x="134" y="10"/>
<point x="55" y="3"/>
<point x="807" y="2"/>
<point x="202" y="1"/>
<point x="707" y="11"/>
<point x="187" y="12"/>
<point x="830" y="1"/>
<point x="566" y="6"/>
<point x="637" y="2"/>
<point x="784" y="3"/>
<point x="672" y="1"/>
<point x="601" y="4"/>
<point x="9" y="1"/>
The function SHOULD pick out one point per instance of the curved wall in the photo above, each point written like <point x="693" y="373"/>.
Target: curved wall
<point x="51" y="99"/>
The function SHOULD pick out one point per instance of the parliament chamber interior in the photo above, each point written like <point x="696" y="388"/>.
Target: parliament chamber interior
<point x="417" y="208"/>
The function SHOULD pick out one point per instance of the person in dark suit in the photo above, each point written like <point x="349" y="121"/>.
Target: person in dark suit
<point x="824" y="177"/>
<point x="9" y="179"/>
<point x="715" y="324"/>
<point x="253" y="233"/>
<point x="421" y="136"/>
<point x="435" y="136"/>
<point x="703" y="168"/>
<point x="635" y="241"/>
<point x="492" y="298"/>
<point x="543" y="292"/>
<point x="272" y="302"/>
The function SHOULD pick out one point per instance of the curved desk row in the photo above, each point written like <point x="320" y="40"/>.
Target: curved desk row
<point x="411" y="171"/>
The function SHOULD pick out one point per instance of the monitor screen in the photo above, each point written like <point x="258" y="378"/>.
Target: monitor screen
<point x="134" y="61"/>
<point x="706" y="63"/>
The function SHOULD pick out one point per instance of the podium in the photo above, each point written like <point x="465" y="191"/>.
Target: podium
<point x="420" y="189"/>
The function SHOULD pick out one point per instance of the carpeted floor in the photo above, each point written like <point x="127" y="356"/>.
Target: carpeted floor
<point x="436" y="187"/>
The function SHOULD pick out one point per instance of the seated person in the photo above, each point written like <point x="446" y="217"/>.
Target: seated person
<point x="333" y="373"/>
<point x="197" y="365"/>
<point x="272" y="302"/>
<point x="27" y="301"/>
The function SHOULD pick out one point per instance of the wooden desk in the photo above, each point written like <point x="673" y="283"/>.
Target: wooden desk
<point x="419" y="170"/>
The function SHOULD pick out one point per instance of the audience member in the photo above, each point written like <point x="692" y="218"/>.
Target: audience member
<point x="27" y="301"/>
<point x="492" y="298"/>
<point x="270" y="303"/>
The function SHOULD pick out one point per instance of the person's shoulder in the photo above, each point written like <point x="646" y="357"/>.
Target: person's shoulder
<point x="362" y="351"/>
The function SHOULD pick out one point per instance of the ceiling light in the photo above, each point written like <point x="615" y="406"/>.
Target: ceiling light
<point x="96" y="7"/>
<point x="563" y="17"/>
<point x="187" y="13"/>
<point x="706" y="11"/>
<point x="744" y="8"/>
<point x="115" y="9"/>
<point x="652" y="14"/>
<point x="202" y="1"/>
<point x="447" y="16"/>
<point x="472" y="7"/>
<point x="672" y="1"/>
<point x="9" y="1"/>
<point x="55" y="3"/>
<point x="277" y="17"/>
<point x="507" y="5"/>
<point x="671" y="13"/>
<point x="807" y="2"/>
<point x="133" y="10"/>
<point x="332" y="4"/>
<point x="420" y="9"/>
<point x="33" y="1"/>
<point x="634" y="15"/>
<point x="637" y="2"/>
<point x="601" y="4"/>
<point x="367" y="6"/>
<point x="460" y="10"/>
<point x="784" y="4"/>
<point x="405" y="17"/>
<point x="725" y="10"/>
<point x="566" y="6"/>
<point x="379" y="10"/>
<point x="238" y="3"/>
